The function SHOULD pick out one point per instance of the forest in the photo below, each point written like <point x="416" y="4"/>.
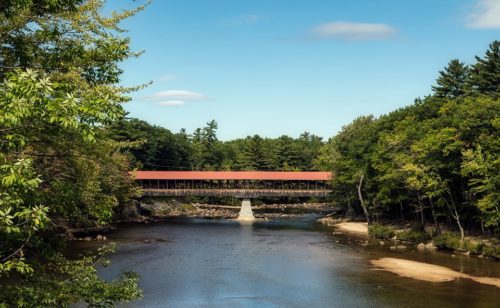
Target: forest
<point x="67" y="146"/>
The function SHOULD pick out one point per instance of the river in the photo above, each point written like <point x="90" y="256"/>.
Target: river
<point x="190" y="262"/>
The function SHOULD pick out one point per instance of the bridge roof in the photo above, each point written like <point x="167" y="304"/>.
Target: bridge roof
<point x="233" y="175"/>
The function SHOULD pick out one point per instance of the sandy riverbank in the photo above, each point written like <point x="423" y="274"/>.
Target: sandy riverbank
<point x="427" y="272"/>
<point x="355" y="227"/>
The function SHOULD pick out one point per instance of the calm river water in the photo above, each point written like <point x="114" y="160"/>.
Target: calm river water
<point x="188" y="262"/>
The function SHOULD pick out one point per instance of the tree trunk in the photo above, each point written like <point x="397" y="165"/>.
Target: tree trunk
<point x="349" y="209"/>
<point x="401" y="210"/>
<point x="434" y="217"/>
<point x="421" y="209"/>
<point x="454" y="213"/>
<point x="362" y="202"/>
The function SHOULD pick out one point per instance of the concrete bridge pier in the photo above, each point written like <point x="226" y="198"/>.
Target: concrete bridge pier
<point x="246" y="213"/>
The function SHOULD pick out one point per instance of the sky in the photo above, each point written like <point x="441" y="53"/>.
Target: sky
<point x="274" y="67"/>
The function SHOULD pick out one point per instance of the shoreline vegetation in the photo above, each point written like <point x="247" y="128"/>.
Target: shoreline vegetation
<point x="421" y="238"/>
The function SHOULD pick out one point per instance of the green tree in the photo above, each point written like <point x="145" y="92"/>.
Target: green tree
<point x="254" y="155"/>
<point x="452" y="82"/>
<point x="58" y="73"/>
<point x="485" y="73"/>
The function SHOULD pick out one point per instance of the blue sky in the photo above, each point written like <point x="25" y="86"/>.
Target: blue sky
<point x="274" y="67"/>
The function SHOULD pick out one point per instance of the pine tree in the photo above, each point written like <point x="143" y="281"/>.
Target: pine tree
<point x="254" y="156"/>
<point x="452" y="82"/>
<point x="485" y="74"/>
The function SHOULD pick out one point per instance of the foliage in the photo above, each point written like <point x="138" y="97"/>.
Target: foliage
<point x="452" y="241"/>
<point x="157" y="148"/>
<point x="59" y="66"/>
<point x="452" y="82"/>
<point x="448" y="240"/>
<point x="80" y="283"/>
<point x="491" y="251"/>
<point x="416" y="234"/>
<point x="437" y="159"/>
<point x="380" y="231"/>
<point x="485" y="73"/>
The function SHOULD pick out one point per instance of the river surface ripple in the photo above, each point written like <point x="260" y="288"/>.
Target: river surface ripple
<point x="189" y="262"/>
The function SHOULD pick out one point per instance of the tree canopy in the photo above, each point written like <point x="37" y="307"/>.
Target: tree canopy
<point x="437" y="158"/>
<point x="59" y="69"/>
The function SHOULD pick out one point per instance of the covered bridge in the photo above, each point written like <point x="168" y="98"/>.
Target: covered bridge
<point x="241" y="184"/>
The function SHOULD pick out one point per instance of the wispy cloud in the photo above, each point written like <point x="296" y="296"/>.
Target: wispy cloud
<point x="171" y="103"/>
<point x="353" y="31"/>
<point x="175" y="97"/>
<point x="486" y="15"/>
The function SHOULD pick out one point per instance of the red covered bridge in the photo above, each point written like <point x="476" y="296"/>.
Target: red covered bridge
<point x="240" y="184"/>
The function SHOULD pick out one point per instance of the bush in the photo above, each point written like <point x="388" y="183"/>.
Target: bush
<point x="416" y="234"/>
<point x="452" y="241"/>
<point x="491" y="251"/>
<point x="380" y="231"/>
<point x="448" y="240"/>
<point x="474" y="247"/>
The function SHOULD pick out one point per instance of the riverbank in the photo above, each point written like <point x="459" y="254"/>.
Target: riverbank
<point x="155" y="210"/>
<point x="346" y="226"/>
<point x="427" y="272"/>
<point x="419" y="237"/>
<point x="159" y="209"/>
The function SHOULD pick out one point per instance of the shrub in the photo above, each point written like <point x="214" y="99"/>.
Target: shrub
<point x="448" y="240"/>
<point x="380" y="231"/>
<point x="452" y="241"/>
<point x="416" y="234"/>
<point x="474" y="247"/>
<point x="491" y="251"/>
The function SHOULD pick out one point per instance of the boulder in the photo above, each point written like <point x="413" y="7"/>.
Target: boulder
<point x="421" y="246"/>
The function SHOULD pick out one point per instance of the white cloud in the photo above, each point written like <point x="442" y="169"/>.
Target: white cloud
<point x="171" y="103"/>
<point x="174" y="97"/>
<point x="177" y="95"/>
<point x="353" y="31"/>
<point x="486" y="15"/>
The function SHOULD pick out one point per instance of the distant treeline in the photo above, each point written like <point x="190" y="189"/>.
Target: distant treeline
<point x="160" y="149"/>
